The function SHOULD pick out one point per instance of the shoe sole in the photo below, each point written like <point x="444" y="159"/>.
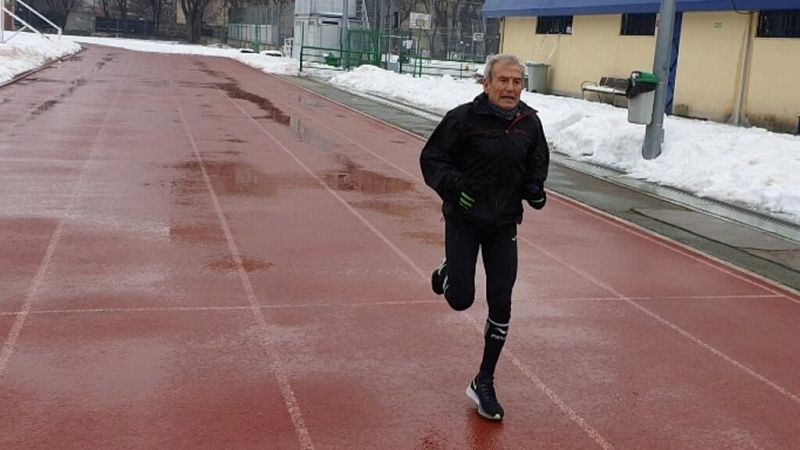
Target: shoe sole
<point x="474" y="397"/>
<point x="436" y="289"/>
<point x="437" y="286"/>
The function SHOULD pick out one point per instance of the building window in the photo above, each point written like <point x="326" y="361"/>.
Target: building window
<point x="638" y="25"/>
<point x="554" y="25"/>
<point x="779" y="24"/>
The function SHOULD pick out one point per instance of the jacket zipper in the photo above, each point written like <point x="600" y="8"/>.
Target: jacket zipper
<point x="517" y="119"/>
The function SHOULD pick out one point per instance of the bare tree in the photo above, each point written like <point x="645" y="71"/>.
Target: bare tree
<point x="194" y="10"/>
<point x="156" y="10"/>
<point x="59" y="10"/>
<point x="106" y="5"/>
<point x="122" y="8"/>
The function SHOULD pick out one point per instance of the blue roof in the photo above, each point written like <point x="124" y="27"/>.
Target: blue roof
<point x="528" y="8"/>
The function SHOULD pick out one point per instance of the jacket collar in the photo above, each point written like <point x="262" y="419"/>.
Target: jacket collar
<point x="481" y="105"/>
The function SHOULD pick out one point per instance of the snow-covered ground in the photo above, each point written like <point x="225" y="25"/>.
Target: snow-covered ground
<point x="749" y="166"/>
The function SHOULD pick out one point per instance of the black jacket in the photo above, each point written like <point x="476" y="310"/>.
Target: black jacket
<point x="494" y="157"/>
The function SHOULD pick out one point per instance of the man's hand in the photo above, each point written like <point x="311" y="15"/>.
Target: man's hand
<point x="466" y="189"/>
<point x="534" y="195"/>
<point x="465" y="201"/>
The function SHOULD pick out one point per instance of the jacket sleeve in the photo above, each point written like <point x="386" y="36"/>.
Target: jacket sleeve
<point x="437" y="158"/>
<point x="538" y="159"/>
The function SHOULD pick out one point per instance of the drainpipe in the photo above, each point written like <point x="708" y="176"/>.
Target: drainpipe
<point x="744" y="72"/>
<point x="502" y="34"/>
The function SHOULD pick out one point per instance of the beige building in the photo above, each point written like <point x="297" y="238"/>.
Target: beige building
<point x="731" y="66"/>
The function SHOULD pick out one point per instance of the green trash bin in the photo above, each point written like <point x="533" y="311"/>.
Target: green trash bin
<point x="641" y="96"/>
<point x="331" y="60"/>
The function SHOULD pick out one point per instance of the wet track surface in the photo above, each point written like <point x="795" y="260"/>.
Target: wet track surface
<point x="197" y="255"/>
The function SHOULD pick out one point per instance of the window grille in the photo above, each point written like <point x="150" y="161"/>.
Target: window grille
<point x="779" y="24"/>
<point x="638" y="25"/>
<point x="554" y="25"/>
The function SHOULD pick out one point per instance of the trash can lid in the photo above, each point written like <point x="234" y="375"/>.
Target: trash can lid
<point x="644" y="77"/>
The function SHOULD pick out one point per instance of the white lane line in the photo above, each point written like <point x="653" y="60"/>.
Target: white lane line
<point x="224" y="308"/>
<point x="656" y="298"/>
<point x="16" y="328"/>
<point x="289" y="399"/>
<point x="569" y="412"/>
<point x="780" y="389"/>
<point x="368" y="304"/>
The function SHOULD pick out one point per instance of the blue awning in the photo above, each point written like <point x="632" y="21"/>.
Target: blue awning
<point x="529" y="8"/>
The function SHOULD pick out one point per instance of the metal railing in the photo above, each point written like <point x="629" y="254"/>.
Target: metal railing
<point x="25" y="25"/>
<point x="334" y="58"/>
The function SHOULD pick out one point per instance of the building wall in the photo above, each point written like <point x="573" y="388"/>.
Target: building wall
<point x="707" y="80"/>
<point x="711" y="55"/>
<point x="594" y="49"/>
<point x="773" y="99"/>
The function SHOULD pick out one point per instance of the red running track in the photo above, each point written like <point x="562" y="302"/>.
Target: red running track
<point x="198" y="255"/>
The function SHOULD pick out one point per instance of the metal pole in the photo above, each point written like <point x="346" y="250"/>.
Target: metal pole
<point x="654" y="134"/>
<point x="342" y="26"/>
<point x="743" y="72"/>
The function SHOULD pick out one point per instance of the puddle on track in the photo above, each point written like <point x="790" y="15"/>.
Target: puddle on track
<point x="272" y="112"/>
<point x="227" y="264"/>
<point x="196" y="233"/>
<point x="44" y="107"/>
<point x="232" y="178"/>
<point x="426" y="237"/>
<point x="309" y="136"/>
<point x="395" y="208"/>
<point x="49" y="104"/>
<point x="356" y="179"/>
<point x="227" y="178"/>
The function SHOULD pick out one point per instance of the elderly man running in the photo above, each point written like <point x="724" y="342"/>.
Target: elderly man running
<point x="484" y="159"/>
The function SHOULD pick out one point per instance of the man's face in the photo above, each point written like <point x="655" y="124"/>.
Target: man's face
<point x="505" y="86"/>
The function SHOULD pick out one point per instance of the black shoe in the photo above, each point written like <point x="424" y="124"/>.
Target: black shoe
<point x="439" y="278"/>
<point x="481" y="391"/>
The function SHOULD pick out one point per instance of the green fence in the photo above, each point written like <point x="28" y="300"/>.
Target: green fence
<point x="334" y="58"/>
<point x="398" y="53"/>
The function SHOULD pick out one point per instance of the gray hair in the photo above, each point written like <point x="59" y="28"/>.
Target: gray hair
<point x="501" y="59"/>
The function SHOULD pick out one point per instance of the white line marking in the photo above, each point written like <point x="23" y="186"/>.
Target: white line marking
<point x="655" y="298"/>
<point x="785" y="392"/>
<point x="371" y="304"/>
<point x="19" y="321"/>
<point x="289" y="398"/>
<point x="224" y="308"/>
<point x="596" y="436"/>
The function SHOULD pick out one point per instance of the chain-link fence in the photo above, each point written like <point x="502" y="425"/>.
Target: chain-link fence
<point x="260" y="26"/>
<point x="471" y="43"/>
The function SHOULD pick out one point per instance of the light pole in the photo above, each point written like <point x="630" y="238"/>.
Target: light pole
<point x="654" y="134"/>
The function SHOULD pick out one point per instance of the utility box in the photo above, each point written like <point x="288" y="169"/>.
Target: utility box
<point x="537" y="76"/>
<point x="641" y="96"/>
